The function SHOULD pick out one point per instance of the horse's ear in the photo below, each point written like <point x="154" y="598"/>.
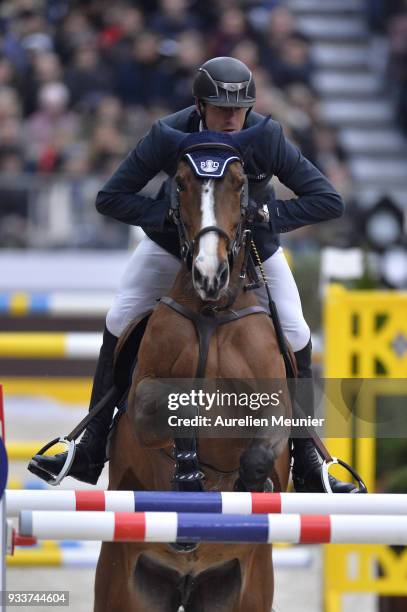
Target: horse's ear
<point x="247" y="137"/>
<point x="172" y="139"/>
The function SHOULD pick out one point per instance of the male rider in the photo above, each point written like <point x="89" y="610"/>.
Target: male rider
<point x="224" y="92"/>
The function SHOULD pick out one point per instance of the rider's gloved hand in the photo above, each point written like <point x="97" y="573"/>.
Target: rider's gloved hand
<point x="170" y="219"/>
<point x="258" y="213"/>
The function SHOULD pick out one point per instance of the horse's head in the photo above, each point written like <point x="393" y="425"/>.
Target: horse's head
<point x="209" y="205"/>
<point x="210" y="211"/>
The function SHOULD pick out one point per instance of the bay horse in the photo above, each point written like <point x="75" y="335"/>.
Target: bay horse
<point x="210" y="209"/>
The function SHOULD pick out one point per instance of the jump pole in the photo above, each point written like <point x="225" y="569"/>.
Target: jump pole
<point x="200" y="527"/>
<point x="205" y="502"/>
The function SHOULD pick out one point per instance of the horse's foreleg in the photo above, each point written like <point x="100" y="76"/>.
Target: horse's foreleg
<point x="258" y="584"/>
<point x="113" y="581"/>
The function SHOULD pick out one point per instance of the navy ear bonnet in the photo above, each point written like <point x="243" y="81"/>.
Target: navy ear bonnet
<point x="209" y="153"/>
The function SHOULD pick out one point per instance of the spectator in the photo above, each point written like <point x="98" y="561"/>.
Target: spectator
<point x="248" y="53"/>
<point x="14" y="198"/>
<point x="45" y="68"/>
<point x="398" y="64"/>
<point x="10" y="106"/>
<point x="172" y="18"/>
<point x="52" y="129"/>
<point x="123" y="24"/>
<point x="280" y="26"/>
<point x="75" y="30"/>
<point x="10" y="134"/>
<point x="388" y="21"/>
<point x="141" y="80"/>
<point x="87" y="78"/>
<point x="232" y="29"/>
<point x="110" y="111"/>
<point x="189" y="54"/>
<point x="106" y="143"/>
<point x="8" y="77"/>
<point x="291" y="63"/>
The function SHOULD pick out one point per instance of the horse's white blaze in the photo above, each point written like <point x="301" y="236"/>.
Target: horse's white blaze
<point x="207" y="259"/>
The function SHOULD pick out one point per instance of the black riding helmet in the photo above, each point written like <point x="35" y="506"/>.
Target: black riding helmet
<point x="225" y="81"/>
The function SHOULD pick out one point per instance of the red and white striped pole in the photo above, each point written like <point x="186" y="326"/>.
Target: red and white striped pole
<point x="211" y="502"/>
<point x="201" y="527"/>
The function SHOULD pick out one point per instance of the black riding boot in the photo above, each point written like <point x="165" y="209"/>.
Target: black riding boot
<point x="307" y="472"/>
<point x="91" y="450"/>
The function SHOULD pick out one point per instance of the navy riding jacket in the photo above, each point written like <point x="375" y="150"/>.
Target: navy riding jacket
<point x="316" y="200"/>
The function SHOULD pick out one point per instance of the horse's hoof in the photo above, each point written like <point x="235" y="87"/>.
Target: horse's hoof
<point x="266" y="487"/>
<point x="184" y="547"/>
<point x="239" y="486"/>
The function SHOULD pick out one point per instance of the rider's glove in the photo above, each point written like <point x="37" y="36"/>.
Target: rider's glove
<point x="258" y="213"/>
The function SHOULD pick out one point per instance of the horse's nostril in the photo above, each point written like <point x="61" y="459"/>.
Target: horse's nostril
<point x="197" y="275"/>
<point x="223" y="273"/>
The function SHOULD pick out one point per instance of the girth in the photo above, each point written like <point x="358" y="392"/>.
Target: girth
<point x="206" y="322"/>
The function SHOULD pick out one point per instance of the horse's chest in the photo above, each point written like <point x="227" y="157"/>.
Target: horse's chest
<point x="232" y="350"/>
<point x="222" y="357"/>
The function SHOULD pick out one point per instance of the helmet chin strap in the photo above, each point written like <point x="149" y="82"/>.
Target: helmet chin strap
<point x="201" y="108"/>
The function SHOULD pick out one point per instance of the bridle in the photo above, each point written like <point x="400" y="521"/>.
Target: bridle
<point x="188" y="246"/>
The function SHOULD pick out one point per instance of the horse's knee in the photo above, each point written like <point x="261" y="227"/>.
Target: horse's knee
<point x="256" y="464"/>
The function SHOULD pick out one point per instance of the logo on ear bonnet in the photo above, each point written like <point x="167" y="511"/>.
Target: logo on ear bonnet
<point x="209" y="165"/>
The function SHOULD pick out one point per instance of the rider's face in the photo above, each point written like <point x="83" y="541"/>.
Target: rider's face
<point x="224" y="119"/>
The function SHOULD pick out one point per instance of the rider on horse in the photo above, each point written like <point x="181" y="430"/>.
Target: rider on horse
<point x="224" y="92"/>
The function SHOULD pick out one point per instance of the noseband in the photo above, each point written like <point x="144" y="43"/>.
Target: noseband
<point x="234" y="245"/>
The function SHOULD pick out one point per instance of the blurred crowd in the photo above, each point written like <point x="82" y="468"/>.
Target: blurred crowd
<point x="388" y="18"/>
<point x="81" y="81"/>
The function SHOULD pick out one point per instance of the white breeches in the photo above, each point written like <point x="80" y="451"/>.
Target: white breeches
<point x="151" y="272"/>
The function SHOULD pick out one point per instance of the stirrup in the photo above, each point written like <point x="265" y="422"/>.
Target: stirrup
<point x="54" y="480"/>
<point x="362" y="488"/>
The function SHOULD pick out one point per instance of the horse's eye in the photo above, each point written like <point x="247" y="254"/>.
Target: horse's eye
<point x="180" y="187"/>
